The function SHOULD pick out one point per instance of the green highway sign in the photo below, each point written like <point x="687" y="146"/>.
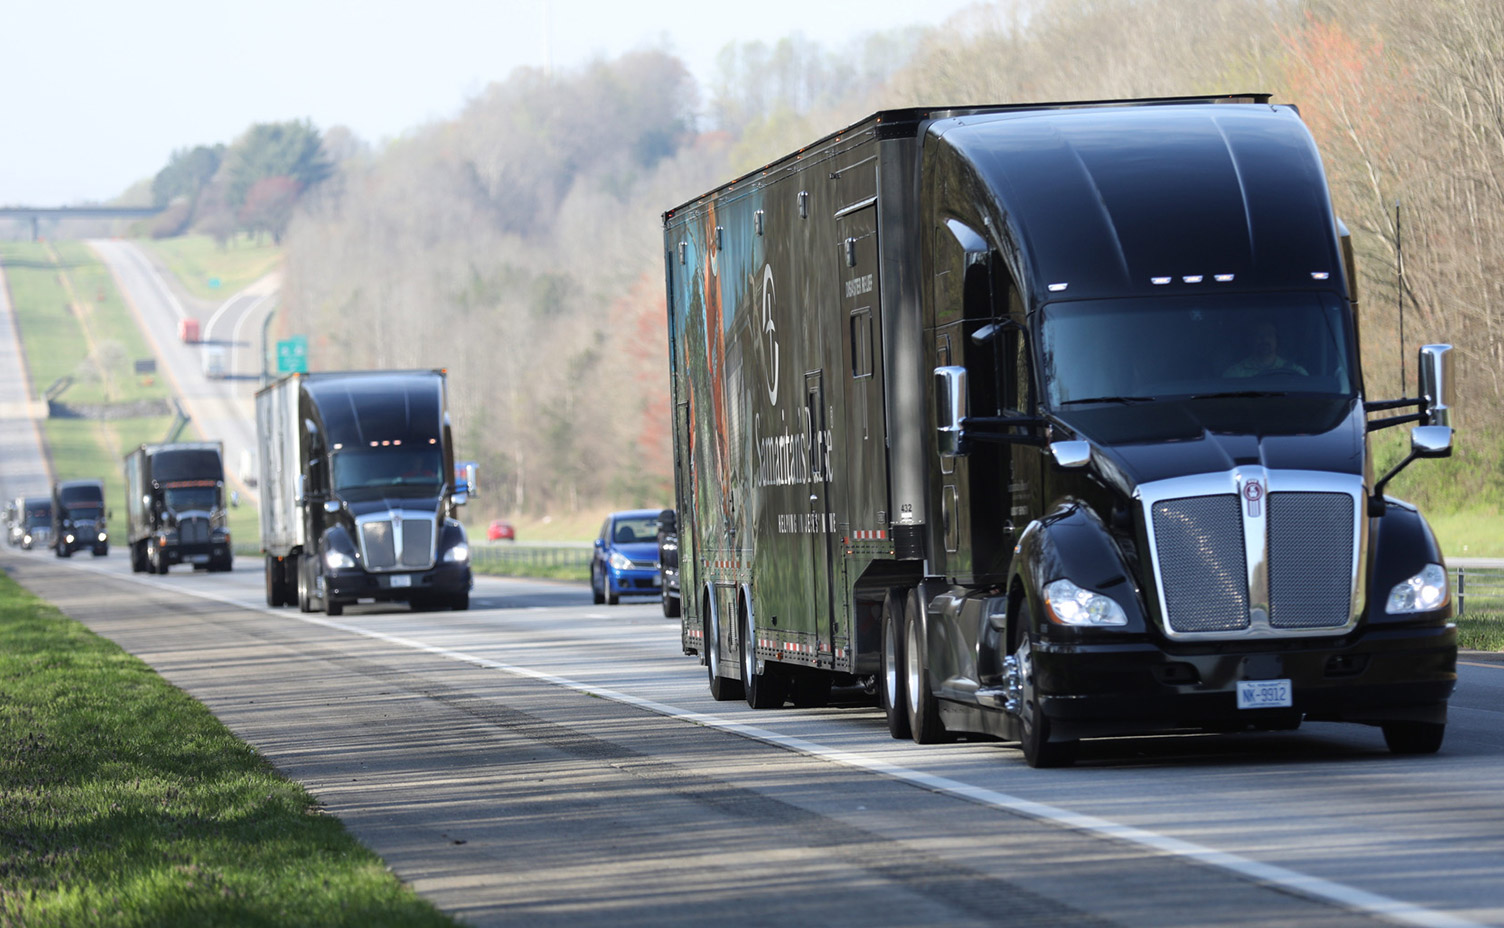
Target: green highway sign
<point x="292" y="355"/>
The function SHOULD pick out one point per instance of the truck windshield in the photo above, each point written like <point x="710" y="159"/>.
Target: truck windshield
<point x="382" y="468"/>
<point x="39" y="515"/>
<point x="84" y="511"/>
<point x="183" y="499"/>
<point x="1235" y="345"/>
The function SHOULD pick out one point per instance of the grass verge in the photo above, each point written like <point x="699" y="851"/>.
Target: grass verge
<point x="125" y="802"/>
<point x="211" y="272"/>
<point x="1483" y="631"/>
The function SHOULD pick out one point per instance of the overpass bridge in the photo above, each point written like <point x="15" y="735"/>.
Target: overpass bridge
<point x="35" y="214"/>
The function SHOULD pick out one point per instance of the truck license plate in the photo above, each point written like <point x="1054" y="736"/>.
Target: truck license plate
<point x="1264" y="694"/>
<point x="402" y="580"/>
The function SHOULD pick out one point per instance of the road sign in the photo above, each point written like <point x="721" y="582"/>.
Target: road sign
<point x="292" y="355"/>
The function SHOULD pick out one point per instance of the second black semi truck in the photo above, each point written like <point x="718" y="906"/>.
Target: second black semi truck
<point x="175" y="507"/>
<point x="359" y="494"/>
<point x="79" y="518"/>
<point x="1047" y="422"/>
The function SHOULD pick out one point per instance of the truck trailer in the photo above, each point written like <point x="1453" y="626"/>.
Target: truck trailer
<point x="359" y="498"/>
<point x="175" y="507"/>
<point x="1046" y="422"/>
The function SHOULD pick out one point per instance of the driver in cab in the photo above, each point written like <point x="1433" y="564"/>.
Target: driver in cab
<point x="1263" y="355"/>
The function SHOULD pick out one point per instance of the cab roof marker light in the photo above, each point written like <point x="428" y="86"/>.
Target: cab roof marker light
<point x="1222" y="278"/>
<point x="1193" y="278"/>
<point x="1056" y="288"/>
<point x="1160" y="281"/>
<point x="1320" y="275"/>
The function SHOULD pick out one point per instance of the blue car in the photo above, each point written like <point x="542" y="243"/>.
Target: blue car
<point x="626" y="557"/>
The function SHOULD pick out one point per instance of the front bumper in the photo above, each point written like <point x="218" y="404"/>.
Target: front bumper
<point x="1375" y="676"/>
<point x="637" y="581"/>
<point x="444" y="579"/>
<point x="200" y="554"/>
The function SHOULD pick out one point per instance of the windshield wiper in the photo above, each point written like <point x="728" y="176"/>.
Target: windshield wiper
<point x="1238" y="394"/>
<point x="1112" y="399"/>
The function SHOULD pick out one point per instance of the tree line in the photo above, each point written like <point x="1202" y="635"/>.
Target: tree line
<point x="519" y="243"/>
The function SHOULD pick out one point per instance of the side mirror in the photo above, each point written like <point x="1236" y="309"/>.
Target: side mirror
<point x="600" y="543"/>
<point x="1436" y="385"/>
<point x="950" y="408"/>
<point x="470" y="484"/>
<point x="300" y="490"/>
<point x="669" y="519"/>
<point x="1431" y="441"/>
<point x="234" y="498"/>
<point x="1071" y="454"/>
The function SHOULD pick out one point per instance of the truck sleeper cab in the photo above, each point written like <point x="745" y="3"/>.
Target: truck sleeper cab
<point x="1050" y="450"/>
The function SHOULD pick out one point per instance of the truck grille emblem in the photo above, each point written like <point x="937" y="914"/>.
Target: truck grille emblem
<point x="1253" y="492"/>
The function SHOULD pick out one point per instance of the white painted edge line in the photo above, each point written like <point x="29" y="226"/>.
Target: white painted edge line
<point x="1311" y="887"/>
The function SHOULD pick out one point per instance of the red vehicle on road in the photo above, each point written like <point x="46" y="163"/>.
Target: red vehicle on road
<point x="501" y="531"/>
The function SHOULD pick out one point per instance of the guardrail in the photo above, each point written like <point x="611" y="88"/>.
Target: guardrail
<point x="532" y="555"/>
<point x="1478" y="589"/>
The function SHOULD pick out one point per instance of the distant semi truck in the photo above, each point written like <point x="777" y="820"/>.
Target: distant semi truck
<point x="175" y="507"/>
<point x="358" y="491"/>
<point x="1047" y="423"/>
<point x="79" y="518"/>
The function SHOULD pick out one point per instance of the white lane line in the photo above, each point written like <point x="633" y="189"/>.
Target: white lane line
<point x="1312" y="887"/>
<point x="144" y="268"/>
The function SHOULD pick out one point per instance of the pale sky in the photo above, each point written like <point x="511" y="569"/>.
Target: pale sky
<point x="98" y="93"/>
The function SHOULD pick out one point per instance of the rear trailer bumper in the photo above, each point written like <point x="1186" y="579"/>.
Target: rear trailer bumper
<point x="445" y="579"/>
<point x="1388" y="675"/>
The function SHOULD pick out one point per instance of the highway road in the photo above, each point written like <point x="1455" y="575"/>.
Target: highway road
<point x="541" y="760"/>
<point x="222" y="408"/>
<point x="23" y="469"/>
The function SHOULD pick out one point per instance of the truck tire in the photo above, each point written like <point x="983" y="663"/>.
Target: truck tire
<point x="670" y="606"/>
<point x="765" y="690"/>
<point x="305" y="584"/>
<point x="460" y="602"/>
<point x="891" y="694"/>
<point x="138" y="558"/>
<point x="273" y="582"/>
<point x="155" y="562"/>
<point x="1414" y="737"/>
<point x="722" y="688"/>
<point x="1034" y="738"/>
<point x="923" y="708"/>
<point x="333" y="607"/>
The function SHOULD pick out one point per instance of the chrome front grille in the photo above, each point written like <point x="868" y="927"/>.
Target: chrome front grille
<point x="1202" y="564"/>
<point x="1310" y="553"/>
<point x="1255" y="552"/>
<point x="193" y="530"/>
<point x="397" y="541"/>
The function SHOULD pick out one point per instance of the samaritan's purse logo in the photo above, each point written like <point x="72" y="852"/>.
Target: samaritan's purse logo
<point x="1253" y="493"/>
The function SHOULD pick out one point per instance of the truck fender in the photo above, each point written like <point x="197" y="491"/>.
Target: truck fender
<point x="1400" y="544"/>
<point x="1070" y="543"/>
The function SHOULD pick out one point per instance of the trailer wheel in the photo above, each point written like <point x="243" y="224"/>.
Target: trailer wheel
<point x="273" y="582"/>
<point x="923" y="708"/>
<point x="765" y="690"/>
<point x="1414" y="737"/>
<point x="891" y="693"/>
<point x="1039" y="750"/>
<point x="721" y="688"/>
<point x="138" y="557"/>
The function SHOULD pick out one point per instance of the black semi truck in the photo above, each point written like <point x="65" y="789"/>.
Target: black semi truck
<point x="175" y="507"/>
<point x="79" y="518"/>
<point x="1047" y="422"/>
<point x="359" y="497"/>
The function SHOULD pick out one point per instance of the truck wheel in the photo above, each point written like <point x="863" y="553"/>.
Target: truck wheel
<point x="721" y="688"/>
<point x="891" y="694"/>
<point x="765" y="690"/>
<point x="1039" y="750"/>
<point x="460" y="602"/>
<point x="333" y="607"/>
<point x="138" y="558"/>
<point x="597" y="587"/>
<point x="155" y="562"/>
<point x="1414" y="737"/>
<point x="923" y="708"/>
<point x="670" y="606"/>
<point x="305" y="585"/>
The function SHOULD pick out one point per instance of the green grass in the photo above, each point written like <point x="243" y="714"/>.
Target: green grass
<point x="47" y="282"/>
<point x="125" y="802"/>
<point x="197" y="261"/>
<point x="1483" y="631"/>
<point x="1471" y="533"/>
<point x="535" y="571"/>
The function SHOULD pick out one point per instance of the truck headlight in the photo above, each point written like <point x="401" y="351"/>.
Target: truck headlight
<point x="335" y="559"/>
<point x="620" y="561"/>
<point x="103" y="537"/>
<point x="68" y="538"/>
<point x="1068" y="604"/>
<point x="458" y="554"/>
<point x="1423" y="592"/>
